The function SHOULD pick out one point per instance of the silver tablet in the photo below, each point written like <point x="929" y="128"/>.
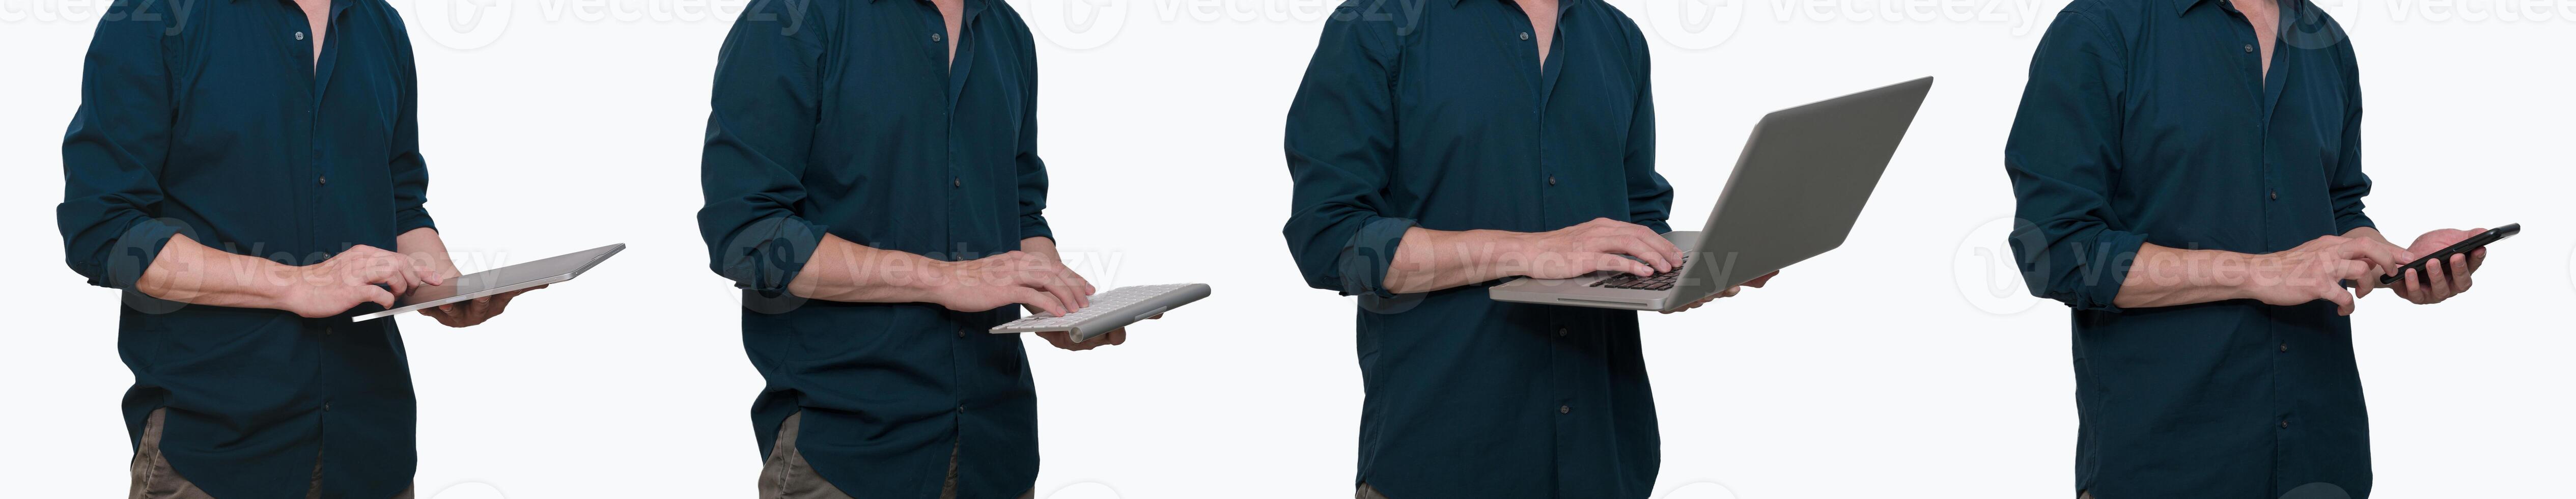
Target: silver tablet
<point x="500" y="280"/>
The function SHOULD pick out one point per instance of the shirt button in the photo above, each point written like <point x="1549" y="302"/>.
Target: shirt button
<point x="954" y="182"/>
<point x="1551" y="180"/>
<point x="961" y="409"/>
<point x="323" y="180"/>
<point x="2285" y="423"/>
<point x="299" y="35"/>
<point x="961" y="332"/>
<point x="2285" y="347"/>
<point x="2276" y="195"/>
<point x="934" y="37"/>
<point x="326" y="407"/>
<point x="1560" y="331"/>
<point x="1524" y="36"/>
<point x="2249" y="48"/>
<point x="1564" y="409"/>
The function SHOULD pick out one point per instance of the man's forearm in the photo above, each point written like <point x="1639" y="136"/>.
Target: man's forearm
<point x="845" y="271"/>
<point x="2164" y="277"/>
<point x="189" y="272"/>
<point x="1432" y="260"/>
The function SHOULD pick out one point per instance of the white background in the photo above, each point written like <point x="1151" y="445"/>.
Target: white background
<point x="1908" y="363"/>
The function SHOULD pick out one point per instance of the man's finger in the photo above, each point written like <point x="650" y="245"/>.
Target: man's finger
<point x="1077" y="286"/>
<point x="1760" y="281"/>
<point x="2460" y="271"/>
<point x="1043" y="301"/>
<point x="1057" y="338"/>
<point x="2341" y="299"/>
<point x="2411" y="285"/>
<point x="1606" y="261"/>
<point x="2441" y="280"/>
<point x="377" y="295"/>
<point x="1066" y="294"/>
<point x="1660" y="245"/>
<point x="1656" y="259"/>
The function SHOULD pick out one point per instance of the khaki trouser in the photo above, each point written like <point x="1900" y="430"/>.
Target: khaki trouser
<point x="787" y="476"/>
<point x="1367" y="492"/>
<point x="153" y="478"/>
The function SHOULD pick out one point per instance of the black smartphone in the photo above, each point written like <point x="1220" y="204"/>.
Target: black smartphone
<point x="2443" y="257"/>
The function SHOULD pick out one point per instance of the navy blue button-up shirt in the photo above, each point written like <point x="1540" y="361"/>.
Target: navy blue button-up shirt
<point x="845" y="117"/>
<point x="2151" y="121"/>
<point x="1448" y="121"/>
<point x="216" y="122"/>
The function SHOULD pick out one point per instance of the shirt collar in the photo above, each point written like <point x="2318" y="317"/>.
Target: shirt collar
<point x="2184" y="6"/>
<point x="972" y="6"/>
<point x="336" y="5"/>
<point x="1561" y="5"/>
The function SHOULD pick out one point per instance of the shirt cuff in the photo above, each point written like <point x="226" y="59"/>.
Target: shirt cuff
<point x="2345" y="224"/>
<point x="1371" y="251"/>
<point x="134" y="253"/>
<point x="2108" y="267"/>
<point x="769" y="254"/>
<point x="1035" y="225"/>
<point x="413" y="219"/>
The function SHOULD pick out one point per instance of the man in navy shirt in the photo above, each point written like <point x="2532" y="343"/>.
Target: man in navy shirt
<point x="2189" y="176"/>
<point x="873" y="185"/>
<point x="249" y="172"/>
<point x="1443" y="146"/>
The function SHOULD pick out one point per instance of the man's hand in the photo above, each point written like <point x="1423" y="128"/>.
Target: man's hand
<point x="475" y="311"/>
<point x="2318" y="269"/>
<point x="350" y="278"/>
<point x="1064" y="340"/>
<point x="1016" y="277"/>
<point x="1593" y="246"/>
<point x="2443" y="284"/>
<point x="1729" y="293"/>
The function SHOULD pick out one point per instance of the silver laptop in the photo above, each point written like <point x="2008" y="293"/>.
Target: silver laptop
<point x="501" y="280"/>
<point x="1795" y="193"/>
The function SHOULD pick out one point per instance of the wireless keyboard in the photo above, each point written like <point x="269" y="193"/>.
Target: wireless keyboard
<point x="1111" y="310"/>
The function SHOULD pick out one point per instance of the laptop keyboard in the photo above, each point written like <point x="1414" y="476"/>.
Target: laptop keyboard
<point x="1102" y="304"/>
<point x="1658" y="282"/>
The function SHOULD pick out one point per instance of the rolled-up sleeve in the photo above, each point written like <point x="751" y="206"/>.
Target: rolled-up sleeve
<point x="410" y="171"/>
<point x="1340" y="141"/>
<point x="1032" y="170"/>
<point x="1650" y="198"/>
<point x="2061" y="155"/>
<point x="758" y="131"/>
<point x="114" y="151"/>
<point x="2349" y="185"/>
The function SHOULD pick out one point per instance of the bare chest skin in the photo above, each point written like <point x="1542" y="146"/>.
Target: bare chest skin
<point x="951" y="12"/>
<point x="1542" y="16"/>
<point x="2266" y="18"/>
<point x="316" y="12"/>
